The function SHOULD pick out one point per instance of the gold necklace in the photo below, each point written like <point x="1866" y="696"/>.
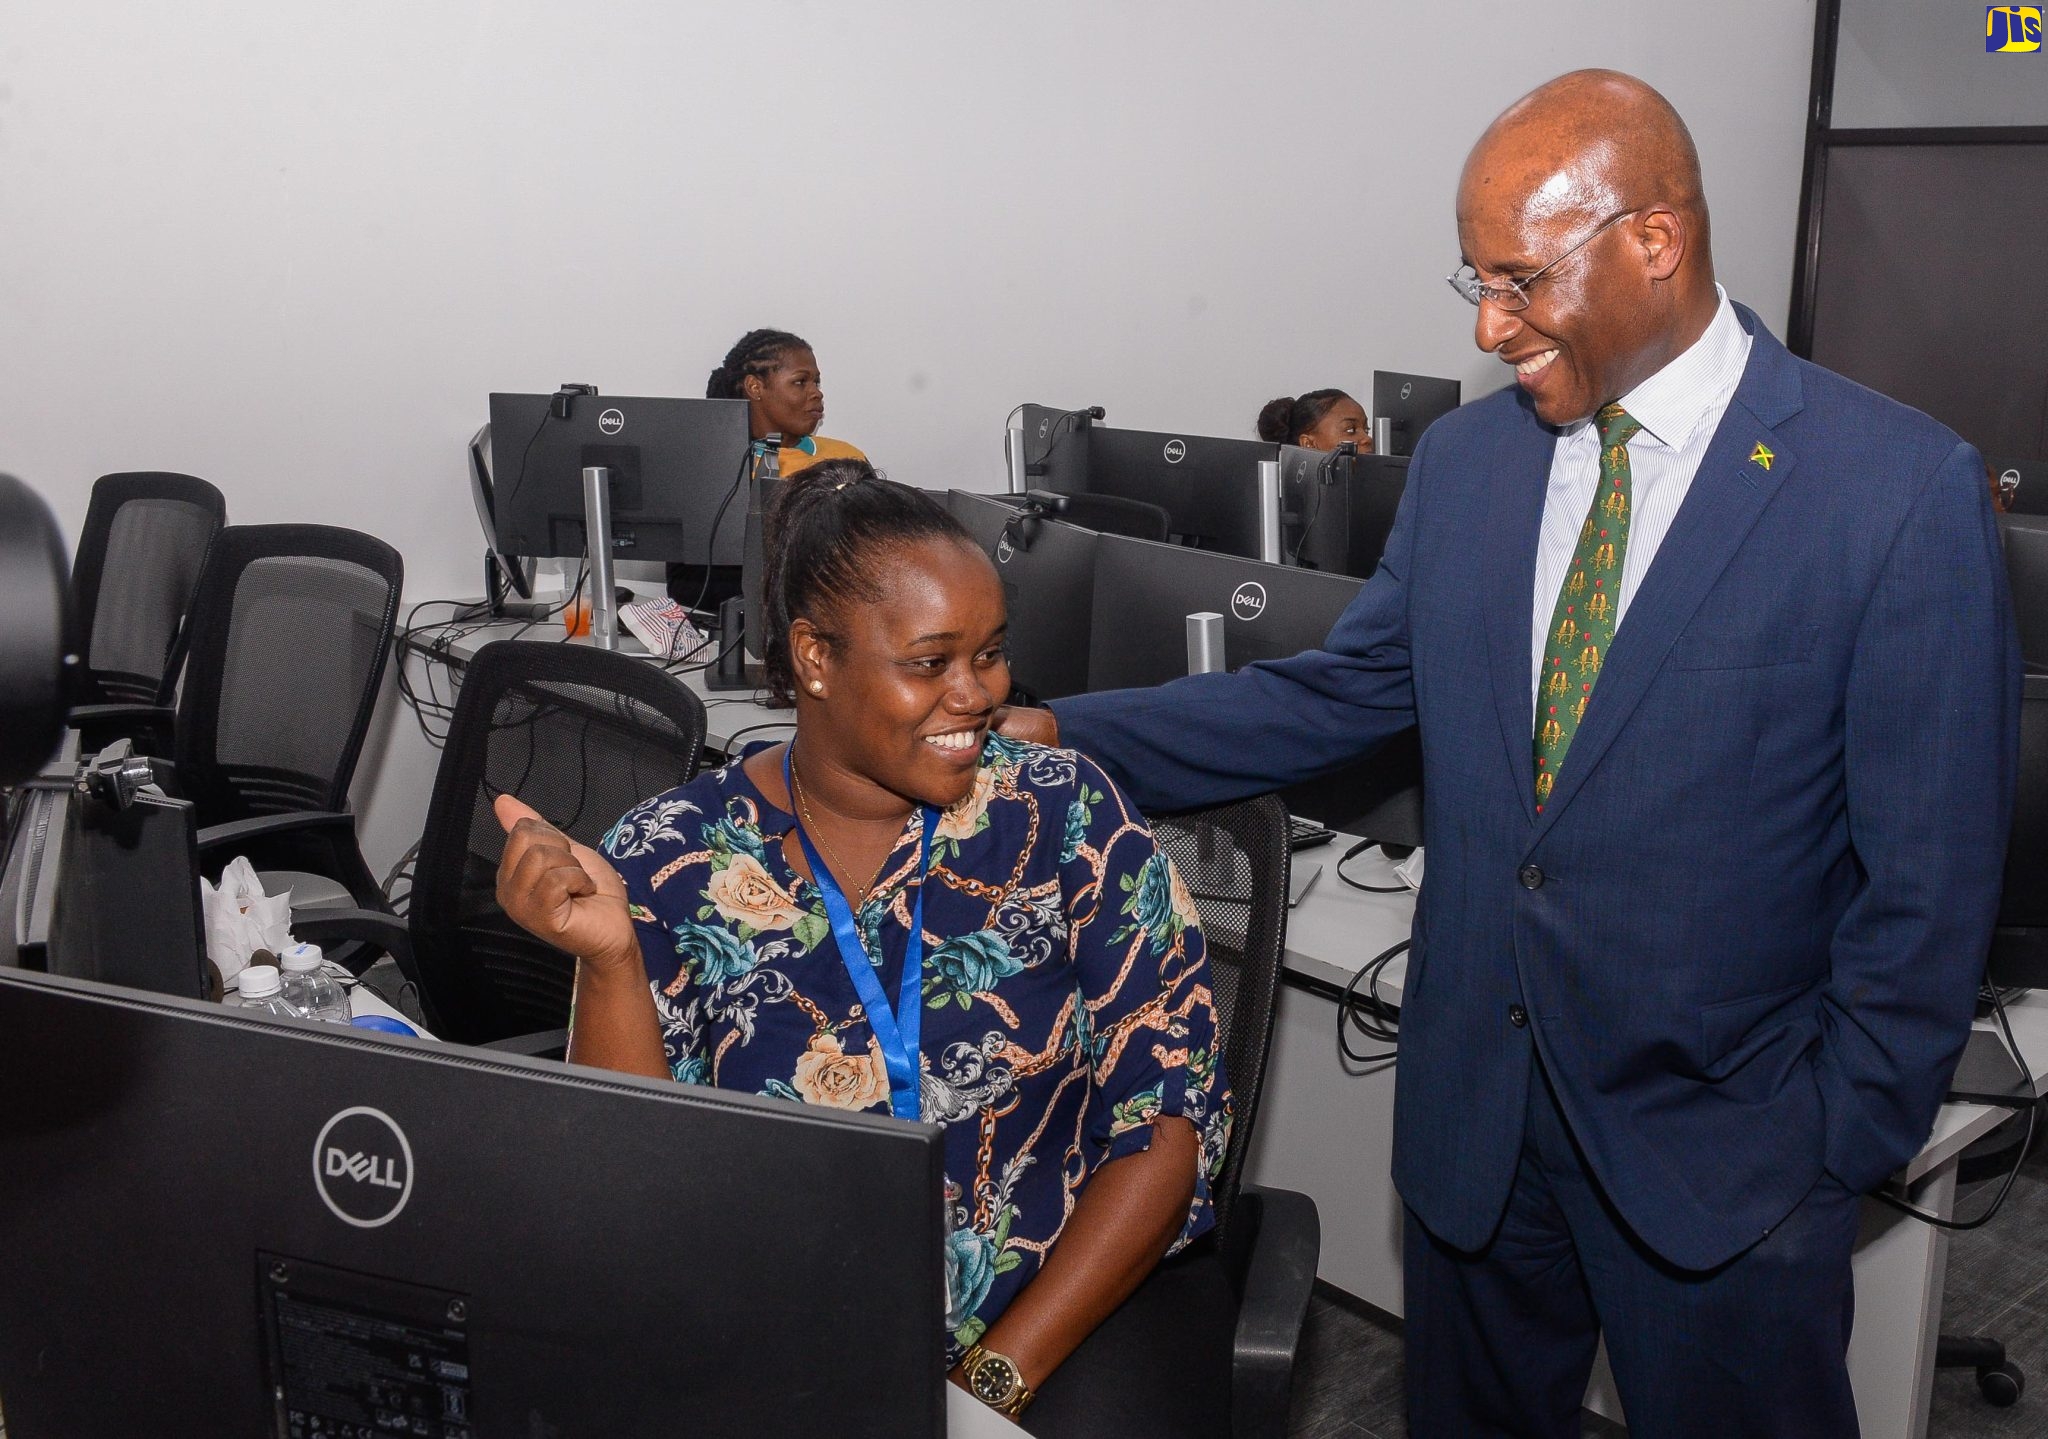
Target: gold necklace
<point x="803" y="809"/>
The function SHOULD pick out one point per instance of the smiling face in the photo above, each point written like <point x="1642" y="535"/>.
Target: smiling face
<point x="1590" y="332"/>
<point x="911" y="680"/>
<point x="1344" y="420"/>
<point x="788" y="399"/>
<point x="1588" y="148"/>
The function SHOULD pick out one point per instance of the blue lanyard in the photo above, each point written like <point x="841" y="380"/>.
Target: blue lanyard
<point x="896" y="1030"/>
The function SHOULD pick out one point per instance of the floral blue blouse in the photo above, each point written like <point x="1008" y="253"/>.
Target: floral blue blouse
<point x="1067" y="990"/>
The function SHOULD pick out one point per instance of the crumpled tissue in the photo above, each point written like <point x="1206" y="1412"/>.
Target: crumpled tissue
<point x="1409" y="870"/>
<point x="241" y="919"/>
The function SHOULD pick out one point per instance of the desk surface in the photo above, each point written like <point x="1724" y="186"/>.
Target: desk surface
<point x="726" y="713"/>
<point x="1334" y="929"/>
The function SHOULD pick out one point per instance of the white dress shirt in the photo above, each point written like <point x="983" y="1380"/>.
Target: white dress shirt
<point x="1679" y="409"/>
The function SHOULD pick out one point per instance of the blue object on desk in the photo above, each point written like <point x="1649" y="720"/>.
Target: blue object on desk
<point x="385" y="1023"/>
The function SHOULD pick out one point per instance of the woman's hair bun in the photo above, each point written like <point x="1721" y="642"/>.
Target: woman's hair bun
<point x="1273" y="420"/>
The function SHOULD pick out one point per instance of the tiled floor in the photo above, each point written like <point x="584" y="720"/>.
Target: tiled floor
<point x="1349" y="1383"/>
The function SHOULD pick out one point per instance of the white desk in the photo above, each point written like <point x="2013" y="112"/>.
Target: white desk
<point x="1326" y="1124"/>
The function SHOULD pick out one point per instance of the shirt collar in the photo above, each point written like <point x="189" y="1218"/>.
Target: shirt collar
<point x="1672" y="403"/>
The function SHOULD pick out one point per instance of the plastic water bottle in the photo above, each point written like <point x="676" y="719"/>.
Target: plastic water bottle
<point x="263" y="991"/>
<point x="308" y="988"/>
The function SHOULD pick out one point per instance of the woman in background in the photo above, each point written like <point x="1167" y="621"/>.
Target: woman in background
<point x="1318" y="420"/>
<point x="776" y="373"/>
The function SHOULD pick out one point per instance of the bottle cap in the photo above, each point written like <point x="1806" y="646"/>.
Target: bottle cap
<point x="259" y="980"/>
<point x="300" y="958"/>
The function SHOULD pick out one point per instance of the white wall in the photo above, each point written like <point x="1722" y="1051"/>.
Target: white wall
<point x="1902" y="64"/>
<point x="292" y="246"/>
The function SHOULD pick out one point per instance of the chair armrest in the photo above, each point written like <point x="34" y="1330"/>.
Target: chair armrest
<point x="98" y="726"/>
<point x="381" y="933"/>
<point x="241" y="831"/>
<point x="547" y="1044"/>
<point x="1278" y="1254"/>
<point x="82" y="715"/>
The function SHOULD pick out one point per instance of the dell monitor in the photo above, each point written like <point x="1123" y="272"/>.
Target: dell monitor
<point x="1338" y="509"/>
<point x="1412" y="403"/>
<point x="222" y="1224"/>
<point x="1056" y="444"/>
<point x="2025" y="539"/>
<point x="1212" y="488"/>
<point x="1048" y="574"/>
<point x="1144" y="593"/>
<point x="508" y="579"/>
<point x="673" y="464"/>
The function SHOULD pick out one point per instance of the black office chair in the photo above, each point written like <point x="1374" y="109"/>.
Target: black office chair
<point x="1115" y="515"/>
<point x="291" y="630"/>
<point x="139" y="559"/>
<point x="1234" y="860"/>
<point x="580" y="734"/>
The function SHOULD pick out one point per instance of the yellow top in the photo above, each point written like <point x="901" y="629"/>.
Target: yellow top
<point x="811" y="449"/>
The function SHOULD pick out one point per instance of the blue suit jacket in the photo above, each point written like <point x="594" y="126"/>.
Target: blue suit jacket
<point x="1766" y="878"/>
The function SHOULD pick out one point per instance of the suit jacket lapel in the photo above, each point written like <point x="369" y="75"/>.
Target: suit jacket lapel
<point x="1514" y="521"/>
<point x="1728" y="495"/>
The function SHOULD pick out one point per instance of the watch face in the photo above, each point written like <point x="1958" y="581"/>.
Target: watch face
<point x="993" y="1379"/>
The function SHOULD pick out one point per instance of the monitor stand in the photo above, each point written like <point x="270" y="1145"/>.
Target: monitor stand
<point x="597" y="543"/>
<point x="733" y="670"/>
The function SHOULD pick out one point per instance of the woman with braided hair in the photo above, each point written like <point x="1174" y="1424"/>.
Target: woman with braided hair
<point x="902" y="913"/>
<point x="776" y="373"/>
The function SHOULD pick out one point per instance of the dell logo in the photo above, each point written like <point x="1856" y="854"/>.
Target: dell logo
<point x="1407" y="388"/>
<point x="2008" y="485"/>
<point x="611" y="422"/>
<point x="1004" y="549"/>
<point x="1044" y="427"/>
<point x="1248" y="600"/>
<point x="1176" y="451"/>
<point x="362" y="1166"/>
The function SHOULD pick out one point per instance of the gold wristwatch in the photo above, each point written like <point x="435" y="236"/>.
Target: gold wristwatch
<point x="993" y="1379"/>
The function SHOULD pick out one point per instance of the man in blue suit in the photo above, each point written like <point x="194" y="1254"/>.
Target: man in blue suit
<point x="1717" y="685"/>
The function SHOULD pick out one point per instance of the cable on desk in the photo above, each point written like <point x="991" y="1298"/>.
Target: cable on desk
<point x="434" y="640"/>
<point x="2005" y="1185"/>
<point x="1371" y="1014"/>
<point x="1357" y="849"/>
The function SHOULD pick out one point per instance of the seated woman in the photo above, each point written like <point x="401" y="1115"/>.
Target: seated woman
<point x="777" y="375"/>
<point x="1318" y="420"/>
<point x="898" y="859"/>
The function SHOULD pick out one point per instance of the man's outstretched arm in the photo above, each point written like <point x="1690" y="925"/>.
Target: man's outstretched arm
<point x="1210" y="738"/>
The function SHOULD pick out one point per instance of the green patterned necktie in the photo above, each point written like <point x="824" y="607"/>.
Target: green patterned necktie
<point x="1582" y="624"/>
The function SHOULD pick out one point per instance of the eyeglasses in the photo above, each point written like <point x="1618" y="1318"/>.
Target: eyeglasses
<point x="1512" y="295"/>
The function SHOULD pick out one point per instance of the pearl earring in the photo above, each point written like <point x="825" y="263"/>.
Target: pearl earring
<point x="817" y="687"/>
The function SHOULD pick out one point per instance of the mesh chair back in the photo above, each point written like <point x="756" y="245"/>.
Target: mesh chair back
<point x="139" y="558"/>
<point x="1234" y="858"/>
<point x="580" y="734"/>
<point x="291" y="629"/>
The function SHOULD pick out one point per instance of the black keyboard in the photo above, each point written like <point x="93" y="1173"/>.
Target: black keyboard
<point x="1306" y="833"/>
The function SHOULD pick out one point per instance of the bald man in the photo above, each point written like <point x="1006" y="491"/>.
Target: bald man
<point x="1718" y="758"/>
